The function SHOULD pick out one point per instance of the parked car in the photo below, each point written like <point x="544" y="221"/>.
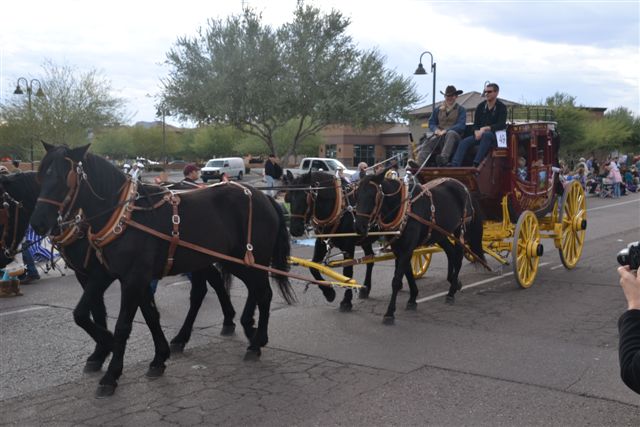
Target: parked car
<point x="214" y="168"/>
<point x="313" y="164"/>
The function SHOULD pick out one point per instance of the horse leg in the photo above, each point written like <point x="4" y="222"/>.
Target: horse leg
<point x="196" y="296"/>
<point x="91" y="305"/>
<point x="454" y="259"/>
<point x="413" y="287"/>
<point x="363" y="293"/>
<point x="346" y="304"/>
<point x="162" y="349"/>
<point x="319" y="252"/>
<point x="217" y="283"/>
<point x="130" y="299"/>
<point x="396" y="285"/>
<point x="262" y="297"/>
<point x="246" y="320"/>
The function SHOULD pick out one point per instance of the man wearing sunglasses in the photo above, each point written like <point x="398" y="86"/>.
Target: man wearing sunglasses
<point x="490" y="116"/>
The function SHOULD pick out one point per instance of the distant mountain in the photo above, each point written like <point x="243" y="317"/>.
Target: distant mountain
<point x="154" y="124"/>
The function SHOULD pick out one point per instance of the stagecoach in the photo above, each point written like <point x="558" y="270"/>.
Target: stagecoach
<point x="521" y="210"/>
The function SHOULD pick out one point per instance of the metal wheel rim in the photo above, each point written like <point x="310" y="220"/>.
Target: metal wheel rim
<point x="525" y="239"/>
<point x="573" y="212"/>
<point x="420" y="264"/>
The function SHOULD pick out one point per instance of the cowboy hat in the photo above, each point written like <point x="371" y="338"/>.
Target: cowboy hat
<point x="451" y="90"/>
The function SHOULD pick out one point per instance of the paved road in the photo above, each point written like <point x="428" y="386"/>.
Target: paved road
<point x="499" y="356"/>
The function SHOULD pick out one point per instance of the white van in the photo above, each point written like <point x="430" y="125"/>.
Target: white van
<point x="232" y="166"/>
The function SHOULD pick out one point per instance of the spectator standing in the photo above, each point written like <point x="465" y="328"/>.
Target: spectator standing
<point x="490" y="116"/>
<point x="270" y="173"/>
<point x="629" y="329"/>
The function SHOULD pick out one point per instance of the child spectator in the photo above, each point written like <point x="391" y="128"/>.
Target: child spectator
<point x="522" y="169"/>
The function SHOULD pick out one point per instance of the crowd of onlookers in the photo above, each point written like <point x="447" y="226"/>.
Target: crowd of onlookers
<point x="615" y="177"/>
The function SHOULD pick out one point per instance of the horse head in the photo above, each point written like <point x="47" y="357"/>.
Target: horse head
<point x="318" y="201"/>
<point x="299" y="206"/>
<point x="73" y="178"/>
<point x="368" y="197"/>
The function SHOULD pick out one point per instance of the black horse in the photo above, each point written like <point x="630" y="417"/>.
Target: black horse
<point x="144" y="232"/>
<point x="19" y="193"/>
<point x="327" y="203"/>
<point x="426" y="215"/>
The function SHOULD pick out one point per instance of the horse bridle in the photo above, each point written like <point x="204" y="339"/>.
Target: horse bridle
<point x="311" y="198"/>
<point x="74" y="178"/>
<point x="374" y="216"/>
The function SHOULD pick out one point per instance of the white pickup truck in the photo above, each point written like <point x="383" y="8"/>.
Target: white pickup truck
<point x="315" y="164"/>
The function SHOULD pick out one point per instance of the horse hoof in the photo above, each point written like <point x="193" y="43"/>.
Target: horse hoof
<point x="93" y="366"/>
<point x="345" y="308"/>
<point x="228" y="330"/>
<point x="450" y="300"/>
<point x="412" y="306"/>
<point x="388" y="320"/>
<point x="363" y="293"/>
<point x="252" y="355"/>
<point x="156" y="371"/>
<point x="177" y="347"/>
<point x="105" y="390"/>
<point x="329" y="294"/>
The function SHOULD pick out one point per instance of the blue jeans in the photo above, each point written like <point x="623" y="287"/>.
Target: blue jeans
<point x="29" y="264"/>
<point x="487" y="140"/>
<point x="270" y="182"/>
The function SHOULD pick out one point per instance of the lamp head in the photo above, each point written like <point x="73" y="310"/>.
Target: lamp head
<point x="420" y="70"/>
<point x="40" y="93"/>
<point x="18" y="90"/>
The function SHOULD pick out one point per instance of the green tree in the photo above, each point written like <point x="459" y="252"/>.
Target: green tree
<point x="75" y="105"/>
<point x="257" y="79"/>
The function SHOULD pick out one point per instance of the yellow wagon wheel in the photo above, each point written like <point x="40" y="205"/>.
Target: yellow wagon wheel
<point x="420" y="263"/>
<point x="573" y="217"/>
<point x="527" y="249"/>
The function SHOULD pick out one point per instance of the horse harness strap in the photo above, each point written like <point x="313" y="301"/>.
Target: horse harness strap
<point x="118" y="220"/>
<point x="175" y="232"/>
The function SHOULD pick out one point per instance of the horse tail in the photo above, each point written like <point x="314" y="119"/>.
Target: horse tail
<point x="474" y="231"/>
<point x="280" y="255"/>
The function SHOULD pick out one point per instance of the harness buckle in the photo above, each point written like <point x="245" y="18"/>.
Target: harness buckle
<point x="249" y="247"/>
<point x="117" y="229"/>
<point x="175" y="219"/>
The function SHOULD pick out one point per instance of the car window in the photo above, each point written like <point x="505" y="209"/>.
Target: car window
<point x="215" y="164"/>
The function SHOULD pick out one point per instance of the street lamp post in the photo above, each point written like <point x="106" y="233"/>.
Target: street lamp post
<point x="162" y="112"/>
<point x="421" y="71"/>
<point x="39" y="93"/>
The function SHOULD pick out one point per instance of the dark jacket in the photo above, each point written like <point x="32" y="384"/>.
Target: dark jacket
<point x="496" y="118"/>
<point x="629" y="349"/>
<point x="269" y="169"/>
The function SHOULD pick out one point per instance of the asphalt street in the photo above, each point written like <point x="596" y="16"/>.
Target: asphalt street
<point x="500" y="355"/>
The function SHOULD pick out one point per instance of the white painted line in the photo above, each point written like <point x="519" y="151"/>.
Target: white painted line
<point x="24" y="310"/>
<point x="473" y="285"/>
<point x="556" y="267"/>
<point x="612" y="205"/>
<point x="184" y="282"/>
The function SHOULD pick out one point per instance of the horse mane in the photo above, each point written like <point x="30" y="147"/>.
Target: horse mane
<point x="111" y="178"/>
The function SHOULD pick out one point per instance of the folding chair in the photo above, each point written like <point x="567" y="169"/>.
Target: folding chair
<point x="44" y="255"/>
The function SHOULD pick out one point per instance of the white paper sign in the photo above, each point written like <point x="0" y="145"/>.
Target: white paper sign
<point x="501" y="137"/>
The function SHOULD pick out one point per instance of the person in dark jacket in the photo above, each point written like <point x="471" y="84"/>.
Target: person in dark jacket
<point x="490" y="116"/>
<point x="191" y="173"/>
<point x="629" y="329"/>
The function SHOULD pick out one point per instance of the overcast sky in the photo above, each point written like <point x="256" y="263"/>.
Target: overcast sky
<point x="532" y="49"/>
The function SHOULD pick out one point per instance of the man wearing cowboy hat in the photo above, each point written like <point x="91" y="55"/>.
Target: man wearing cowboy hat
<point x="447" y="123"/>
